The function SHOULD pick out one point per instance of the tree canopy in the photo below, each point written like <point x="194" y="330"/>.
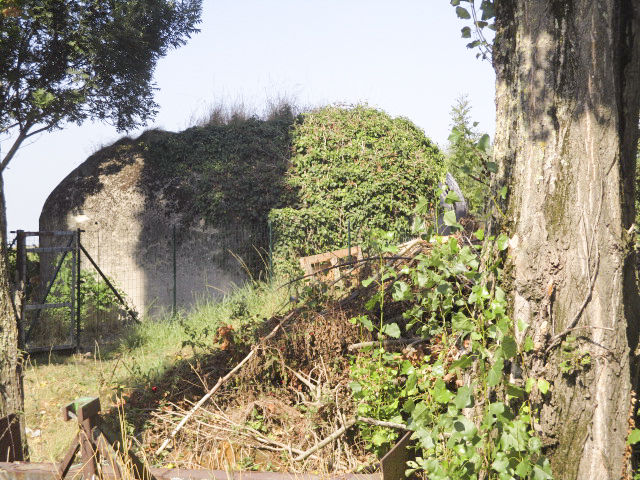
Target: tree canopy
<point x="66" y="61"/>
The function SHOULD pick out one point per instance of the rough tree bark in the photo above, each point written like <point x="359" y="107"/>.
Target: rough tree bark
<point x="567" y="96"/>
<point x="11" y="395"/>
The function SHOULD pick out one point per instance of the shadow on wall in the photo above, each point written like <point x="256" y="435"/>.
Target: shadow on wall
<point x="203" y="193"/>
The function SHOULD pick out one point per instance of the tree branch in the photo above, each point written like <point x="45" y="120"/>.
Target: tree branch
<point x="12" y="151"/>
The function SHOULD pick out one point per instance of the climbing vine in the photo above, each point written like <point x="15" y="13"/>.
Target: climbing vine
<point x="352" y="165"/>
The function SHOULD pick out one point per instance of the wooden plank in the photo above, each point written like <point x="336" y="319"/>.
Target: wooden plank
<point x="49" y="471"/>
<point x="323" y="257"/>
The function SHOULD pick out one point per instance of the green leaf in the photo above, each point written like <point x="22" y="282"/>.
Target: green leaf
<point x="355" y="387"/>
<point x="463" y="362"/>
<point x="42" y="98"/>
<point x="503" y="193"/>
<point x="522" y="325"/>
<point x="380" y="437"/>
<point x="364" y="321"/>
<point x="534" y="444"/>
<point x="455" y="135"/>
<point x="484" y="143"/>
<point x="495" y="374"/>
<point x="463" y="398"/>
<point x="392" y="330"/>
<point x="452" y="197"/>
<point x="466" y="32"/>
<point x="423" y="206"/>
<point x="440" y="392"/>
<point x="515" y="391"/>
<point x="479" y="234"/>
<point x="529" y="384"/>
<point x="368" y="281"/>
<point x="542" y="470"/>
<point x="543" y="385"/>
<point x="488" y="11"/>
<point x="492" y="167"/>
<point x="500" y="465"/>
<point x="461" y="322"/>
<point x="449" y="218"/>
<point x="502" y="242"/>
<point x="509" y="347"/>
<point x="528" y="344"/>
<point x="524" y="468"/>
<point x="462" y="13"/>
<point x="401" y="291"/>
<point x="455" y="3"/>
<point x="634" y="436"/>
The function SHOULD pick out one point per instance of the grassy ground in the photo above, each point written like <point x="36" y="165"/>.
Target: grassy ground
<point x="137" y="362"/>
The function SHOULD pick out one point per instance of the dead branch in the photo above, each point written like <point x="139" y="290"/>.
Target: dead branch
<point x="380" y="423"/>
<point x="222" y="380"/>
<point x="385" y="343"/>
<point x="335" y="435"/>
<point x="347" y="425"/>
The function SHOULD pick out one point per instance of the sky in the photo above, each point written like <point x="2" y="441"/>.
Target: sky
<point x="405" y="57"/>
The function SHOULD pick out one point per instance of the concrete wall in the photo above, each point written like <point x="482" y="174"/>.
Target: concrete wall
<point x="128" y="231"/>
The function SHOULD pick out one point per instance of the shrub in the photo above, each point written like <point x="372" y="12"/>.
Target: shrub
<point x="352" y="164"/>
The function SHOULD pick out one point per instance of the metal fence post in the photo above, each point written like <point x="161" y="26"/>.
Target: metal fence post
<point x="175" y="279"/>
<point x="270" y="234"/>
<point x="21" y="272"/>
<point x="349" y="240"/>
<point x="78" y="294"/>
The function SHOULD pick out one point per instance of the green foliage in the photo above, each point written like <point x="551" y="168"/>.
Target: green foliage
<point x="574" y="359"/>
<point x="356" y="165"/>
<point x="468" y="158"/>
<point x="95" y="294"/>
<point x="470" y="420"/>
<point x="379" y="395"/>
<point x="223" y="173"/>
<point x="480" y="18"/>
<point x="69" y="61"/>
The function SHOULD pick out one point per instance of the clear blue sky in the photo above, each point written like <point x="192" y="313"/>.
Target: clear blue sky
<point x="403" y="56"/>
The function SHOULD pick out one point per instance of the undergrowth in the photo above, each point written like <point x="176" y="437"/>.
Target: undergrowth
<point x="136" y="371"/>
<point x="460" y="388"/>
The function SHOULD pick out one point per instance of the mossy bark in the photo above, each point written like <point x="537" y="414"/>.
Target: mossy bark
<point x="567" y="96"/>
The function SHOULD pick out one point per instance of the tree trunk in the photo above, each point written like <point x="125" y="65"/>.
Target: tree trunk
<point x="11" y="393"/>
<point x="567" y="95"/>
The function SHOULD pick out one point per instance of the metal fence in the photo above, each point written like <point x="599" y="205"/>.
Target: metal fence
<point x="153" y="273"/>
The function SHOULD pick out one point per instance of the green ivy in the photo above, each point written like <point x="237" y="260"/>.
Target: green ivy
<point x="352" y="165"/>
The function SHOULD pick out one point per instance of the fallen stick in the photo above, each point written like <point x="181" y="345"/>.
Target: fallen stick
<point x="326" y="441"/>
<point x="385" y="343"/>
<point x="382" y="423"/>
<point x="334" y="436"/>
<point x="222" y="380"/>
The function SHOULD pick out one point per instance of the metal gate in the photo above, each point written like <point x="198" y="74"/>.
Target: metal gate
<point x="58" y="298"/>
<point x="47" y="266"/>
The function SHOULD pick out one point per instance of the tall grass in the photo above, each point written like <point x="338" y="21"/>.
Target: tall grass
<point x="144" y="353"/>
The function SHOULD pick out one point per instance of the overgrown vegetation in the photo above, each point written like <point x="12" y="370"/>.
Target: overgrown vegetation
<point x="468" y="159"/>
<point x="354" y="165"/>
<point x="456" y="389"/>
<point x="137" y="372"/>
<point x="226" y="171"/>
